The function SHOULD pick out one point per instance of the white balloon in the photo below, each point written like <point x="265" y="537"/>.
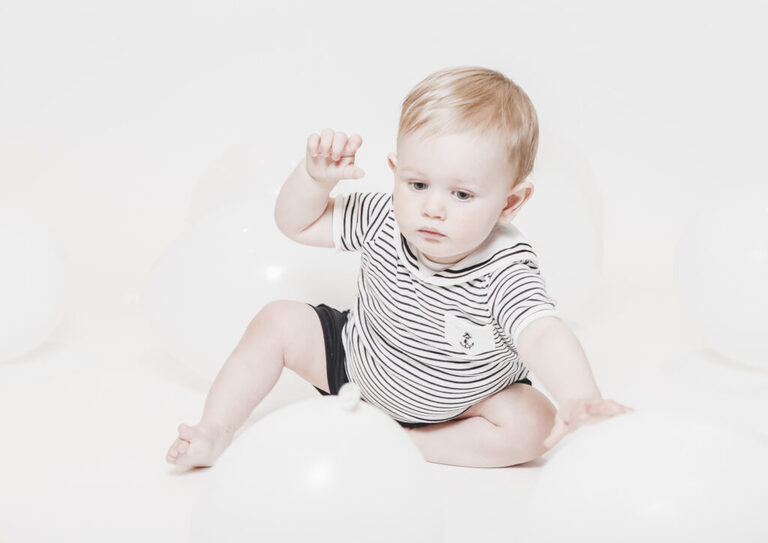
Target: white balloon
<point x="329" y="469"/>
<point x="700" y="382"/>
<point x="32" y="280"/>
<point x="231" y="177"/>
<point x="721" y="273"/>
<point x="564" y="221"/>
<point x="651" y="476"/>
<point x="204" y="290"/>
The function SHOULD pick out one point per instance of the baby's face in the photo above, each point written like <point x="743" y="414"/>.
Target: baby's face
<point x="457" y="185"/>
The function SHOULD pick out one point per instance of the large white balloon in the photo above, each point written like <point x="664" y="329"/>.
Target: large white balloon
<point x="204" y="290"/>
<point x="564" y="221"/>
<point x="652" y="475"/>
<point x="250" y="168"/>
<point x="231" y="176"/>
<point x="721" y="273"/>
<point x="330" y="469"/>
<point x="700" y="382"/>
<point x="32" y="283"/>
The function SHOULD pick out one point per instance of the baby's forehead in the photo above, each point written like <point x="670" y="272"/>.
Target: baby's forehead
<point x="427" y="137"/>
<point x="469" y="156"/>
<point x="462" y="146"/>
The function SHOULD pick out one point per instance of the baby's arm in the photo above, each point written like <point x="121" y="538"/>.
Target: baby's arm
<point x="304" y="211"/>
<point x="550" y="350"/>
<point x="555" y="356"/>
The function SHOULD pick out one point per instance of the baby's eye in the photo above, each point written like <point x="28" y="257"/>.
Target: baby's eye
<point x="464" y="196"/>
<point x="418" y="185"/>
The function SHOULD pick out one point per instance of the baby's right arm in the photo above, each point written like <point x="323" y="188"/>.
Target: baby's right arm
<point x="304" y="211"/>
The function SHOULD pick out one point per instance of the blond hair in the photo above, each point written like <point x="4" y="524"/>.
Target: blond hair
<point x="475" y="99"/>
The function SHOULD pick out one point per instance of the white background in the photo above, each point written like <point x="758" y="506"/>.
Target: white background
<point x="122" y="122"/>
<point x="112" y="114"/>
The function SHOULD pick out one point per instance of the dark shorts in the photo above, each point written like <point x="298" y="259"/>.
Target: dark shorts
<point x="332" y="320"/>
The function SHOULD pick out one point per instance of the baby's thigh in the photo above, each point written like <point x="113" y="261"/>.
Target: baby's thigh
<point x="296" y="326"/>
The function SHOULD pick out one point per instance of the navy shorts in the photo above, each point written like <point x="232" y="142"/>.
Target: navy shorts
<point x="332" y="320"/>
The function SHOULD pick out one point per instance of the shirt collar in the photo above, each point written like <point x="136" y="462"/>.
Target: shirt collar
<point x="504" y="245"/>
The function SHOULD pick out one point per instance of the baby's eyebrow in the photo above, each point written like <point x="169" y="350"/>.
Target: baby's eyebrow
<point x="470" y="184"/>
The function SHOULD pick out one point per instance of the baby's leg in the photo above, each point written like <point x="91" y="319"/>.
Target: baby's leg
<point x="504" y="429"/>
<point x="283" y="334"/>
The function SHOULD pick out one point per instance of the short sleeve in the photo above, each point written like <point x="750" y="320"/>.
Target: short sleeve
<point x="518" y="297"/>
<point x="357" y="217"/>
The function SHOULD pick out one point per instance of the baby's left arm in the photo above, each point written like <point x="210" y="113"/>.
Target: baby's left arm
<point x="550" y="350"/>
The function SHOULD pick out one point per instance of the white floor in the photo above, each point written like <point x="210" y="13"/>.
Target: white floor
<point x="86" y="425"/>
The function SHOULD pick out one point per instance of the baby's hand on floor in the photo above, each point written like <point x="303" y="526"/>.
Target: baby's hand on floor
<point x="574" y="414"/>
<point x="331" y="157"/>
<point x="198" y="446"/>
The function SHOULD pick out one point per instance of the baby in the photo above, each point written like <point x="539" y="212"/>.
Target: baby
<point x="451" y="311"/>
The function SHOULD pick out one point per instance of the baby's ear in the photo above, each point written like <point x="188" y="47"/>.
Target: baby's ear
<point x="392" y="162"/>
<point x="506" y="218"/>
<point x="515" y="200"/>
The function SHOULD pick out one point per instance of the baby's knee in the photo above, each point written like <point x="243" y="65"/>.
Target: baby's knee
<point x="270" y="323"/>
<point x="272" y="314"/>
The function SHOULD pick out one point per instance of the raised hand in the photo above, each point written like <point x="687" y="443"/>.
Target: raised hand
<point x="331" y="157"/>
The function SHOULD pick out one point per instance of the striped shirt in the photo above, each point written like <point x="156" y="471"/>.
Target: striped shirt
<point x="425" y="342"/>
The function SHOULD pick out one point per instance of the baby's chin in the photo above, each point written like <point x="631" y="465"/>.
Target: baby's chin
<point x="445" y="258"/>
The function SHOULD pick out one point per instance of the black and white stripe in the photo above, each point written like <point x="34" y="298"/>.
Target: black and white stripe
<point x="398" y="348"/>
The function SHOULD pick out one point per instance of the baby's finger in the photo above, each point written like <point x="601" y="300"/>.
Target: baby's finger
<point x="610" y="407"/>
<point x="352" y="172"/>
<point x="339" y="142"/>
<point x="326" y="140"/>
<point x="313" y="141"/>
<point x="598" y="407"/>
<point x="622" y="410"/>
<point x="618" y="409"/>
<point x="354" y="143"/>
<point x="604" y="409"/>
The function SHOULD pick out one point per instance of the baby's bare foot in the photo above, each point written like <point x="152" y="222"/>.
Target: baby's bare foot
<point x="199" y="445"/>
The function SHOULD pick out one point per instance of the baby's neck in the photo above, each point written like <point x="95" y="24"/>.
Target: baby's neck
<point x="431" y="264"/>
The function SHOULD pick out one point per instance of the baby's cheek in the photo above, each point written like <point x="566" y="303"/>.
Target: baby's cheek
<point x="469" y="231"/>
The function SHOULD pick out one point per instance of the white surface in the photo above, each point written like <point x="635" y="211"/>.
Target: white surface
<point x="344" y="467"/>
<point x="724" y="253"/>
<point x="86" y="429"/>
<point x="652" y="474"/>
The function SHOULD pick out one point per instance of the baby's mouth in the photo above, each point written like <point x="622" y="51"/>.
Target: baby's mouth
<point x="430" y="233"/>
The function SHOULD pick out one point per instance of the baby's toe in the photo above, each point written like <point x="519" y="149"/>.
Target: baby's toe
<point x="172" y="455"/>
<point x="186" y="432"/>
<point x="178" y="448"/>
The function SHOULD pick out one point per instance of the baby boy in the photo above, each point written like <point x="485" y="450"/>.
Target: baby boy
<point x="451" y="311"/>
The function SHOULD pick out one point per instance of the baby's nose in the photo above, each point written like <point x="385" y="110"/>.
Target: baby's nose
<point x="434" y="207"/>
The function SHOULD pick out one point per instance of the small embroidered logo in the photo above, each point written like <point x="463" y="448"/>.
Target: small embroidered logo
<point x="467" y="342"/>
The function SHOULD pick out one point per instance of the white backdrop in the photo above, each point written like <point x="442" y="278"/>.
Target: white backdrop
<point x="120" y="123"/>
<point x="123" y="124"/>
